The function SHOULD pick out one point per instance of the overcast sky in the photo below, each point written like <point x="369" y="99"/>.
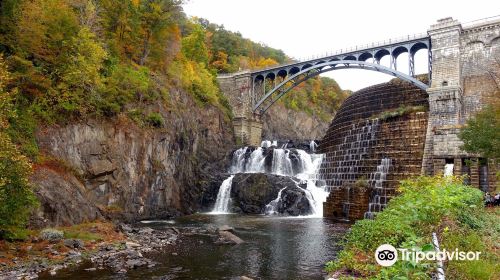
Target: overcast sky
<point x="302" y="28"/>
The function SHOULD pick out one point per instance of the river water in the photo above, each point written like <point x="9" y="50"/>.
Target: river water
<point x="275" y="248"/>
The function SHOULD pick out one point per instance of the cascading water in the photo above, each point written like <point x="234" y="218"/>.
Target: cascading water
<point x="379" y="195"/>
<point x="296" y="163"/>
<point x="312" y="146"/>
<point x="448" y="169"/>
<point x="353" y="149"/>
<point x="256" y="162"/>
<point x="282" y="164"/>
<point x="223" y="197"/>
<point x="272" y="207"/>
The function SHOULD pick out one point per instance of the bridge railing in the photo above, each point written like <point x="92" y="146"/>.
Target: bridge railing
<point x="356" y="48"/>
<point x="369" y="46"/>
<point x="479" y="22"/>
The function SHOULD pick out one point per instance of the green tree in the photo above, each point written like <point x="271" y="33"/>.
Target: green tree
<point x="155" y="20"/>
<point x="481" y="135"/>
<point x="194" y="45"/>
<point x="16" y="195"/>
<point x="83" y="62"/>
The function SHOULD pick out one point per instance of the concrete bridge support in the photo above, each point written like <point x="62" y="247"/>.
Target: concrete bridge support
<point x="247" y="125"/>
<point x="445" y="94"/>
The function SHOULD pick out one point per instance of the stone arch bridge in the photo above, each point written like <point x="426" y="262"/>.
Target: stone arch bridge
<point x="456" y="54"/>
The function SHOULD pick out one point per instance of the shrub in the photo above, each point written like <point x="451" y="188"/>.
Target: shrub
<point x="361" y="182"/>
<point x="155" y="120"/>
<point x="426" y="205"/>
<point x="401" y="111"/>
<point x="52" y="235"/>
<point x="16" y="196"/>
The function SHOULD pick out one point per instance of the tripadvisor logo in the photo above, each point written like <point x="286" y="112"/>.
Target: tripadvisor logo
<point x="387" y="255"/>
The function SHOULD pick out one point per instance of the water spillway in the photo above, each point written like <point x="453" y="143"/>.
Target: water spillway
<point x="376" y="139"/>
<point x="291" y="179"/>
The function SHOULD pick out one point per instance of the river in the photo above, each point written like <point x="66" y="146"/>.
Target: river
<point x="275" y="248"/>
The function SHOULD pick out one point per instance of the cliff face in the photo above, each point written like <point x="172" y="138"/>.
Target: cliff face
<point x="281" y="123"/>
<point x="116" y="169"/>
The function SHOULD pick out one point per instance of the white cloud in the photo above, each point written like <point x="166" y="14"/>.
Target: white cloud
<point x="305" y="28"/>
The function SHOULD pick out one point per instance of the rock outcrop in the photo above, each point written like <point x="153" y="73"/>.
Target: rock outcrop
<point x="116" y="169"/>
<point x="294" y="202"/>
<point x="251" y="193"/>
<point x="281" y="123"/>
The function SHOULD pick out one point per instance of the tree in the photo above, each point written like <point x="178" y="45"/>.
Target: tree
<point x="155" y="19"/>
<point x="16" y="196"/>
<point x="482" y="133"/>
<point x="194" y="46"/>
<point x="220" y="62"/>
<point x="43" y="27"/>
<point x="83" y="61"/>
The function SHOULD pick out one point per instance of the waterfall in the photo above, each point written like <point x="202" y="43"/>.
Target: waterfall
<point x="272" y="207"/>
<point x="448" y="169"/>
<point x="282" y="164"/>
<point x="255" y="163"/>
<point x="223" y="197"/>
<point x="317" y="197"/>
<point x="313" y="146"/>
<point x="308" y="173"/>
<point x="379" y="195"/>
<point x="238" y="161"/>
<point x="295" y="163"/>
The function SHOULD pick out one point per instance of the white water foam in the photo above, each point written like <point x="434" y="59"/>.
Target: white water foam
<point x="305" y="174"/>
<point x="223" y="197"/>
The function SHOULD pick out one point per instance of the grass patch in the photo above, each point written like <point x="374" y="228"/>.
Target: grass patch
<point x="401" y="111"/>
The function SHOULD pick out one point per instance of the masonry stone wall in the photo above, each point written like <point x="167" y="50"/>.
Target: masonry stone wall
<point x="247" y="126"/>
<point x="465" y="77"/>
<point x="363" y="134"/>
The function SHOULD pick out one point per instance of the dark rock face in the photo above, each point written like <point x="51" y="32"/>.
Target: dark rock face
<point x="283" y="123"/>
<point x="250" y="193"/>
<point x="294" y="202"/>
<point x="210" y="190"/>
<point x="112" y="168"/>
<point x="63" y="200"/>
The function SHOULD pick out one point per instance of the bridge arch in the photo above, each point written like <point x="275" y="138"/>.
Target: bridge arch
<point x="381" y="53"/>
<point x="295" y="78"/>
<point x="365" y="56"/>
<point x="399" y="50"/>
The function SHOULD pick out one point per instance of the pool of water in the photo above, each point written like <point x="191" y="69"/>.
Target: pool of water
<point x="274" y="248"/>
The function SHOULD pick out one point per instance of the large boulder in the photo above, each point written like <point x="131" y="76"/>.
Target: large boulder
<point x="251" y="193"/>
<point x="294" y="202"/>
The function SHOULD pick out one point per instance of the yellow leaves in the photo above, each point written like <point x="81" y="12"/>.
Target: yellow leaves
<point x="220" y="62"/>
<point x="43" y="25"/>
<point x="135" y="3"/>
<point x="84" y="61"/>
<point x="262" y="62"/>
<point x="6" y="110"/>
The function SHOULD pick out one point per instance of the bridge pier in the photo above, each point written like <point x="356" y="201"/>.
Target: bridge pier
<point x="248" y="131"/>
<point x="238" y="89"/>
<point x="445" y="96"/>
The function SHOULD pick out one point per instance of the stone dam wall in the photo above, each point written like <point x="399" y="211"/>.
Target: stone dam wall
<point x="376" y="140"/>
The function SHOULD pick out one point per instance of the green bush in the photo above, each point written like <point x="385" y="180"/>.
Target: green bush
<point x="425" y="205"/>
<point x="401" y="111"/>
<point x="16" y="195"/>
<point x="155" y="120"/>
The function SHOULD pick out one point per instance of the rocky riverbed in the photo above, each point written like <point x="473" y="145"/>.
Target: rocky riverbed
<point x="130" y="252"/>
